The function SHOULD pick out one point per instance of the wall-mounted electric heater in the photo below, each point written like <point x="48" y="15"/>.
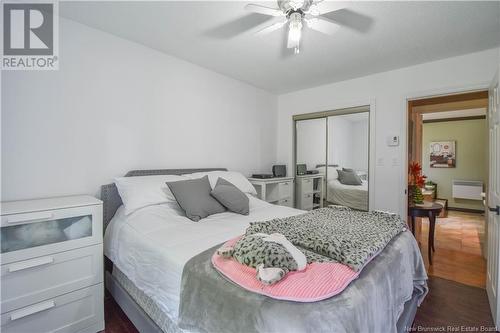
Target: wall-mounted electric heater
<point x="467" y="189"/>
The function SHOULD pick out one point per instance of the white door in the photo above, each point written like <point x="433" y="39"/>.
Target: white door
<point x="493" y="210"/>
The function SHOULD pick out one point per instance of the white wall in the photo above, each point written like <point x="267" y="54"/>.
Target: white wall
<point x="389" y="91"/>
<point x="340" y="142"/>
<point x="115" y="106"/>
<point x="360" y="142"/>
<point x="311" y="142"/>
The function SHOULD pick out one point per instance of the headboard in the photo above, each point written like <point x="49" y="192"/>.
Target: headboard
<point x="330" y="165"/>
<point x="111" y="199"/>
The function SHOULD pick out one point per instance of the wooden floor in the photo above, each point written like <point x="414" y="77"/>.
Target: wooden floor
<point x="116" y="320"/>
<point x="453" y="304"/>
<point x="459" y="243"/>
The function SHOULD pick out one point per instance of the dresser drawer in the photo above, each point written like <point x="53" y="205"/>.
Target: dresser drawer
<point x="306" y="185"/>
<point x="79" y="311"/>
<point x="33" y="280"/>
<point x="306" y="201"/>
<point x="33" y="234"/>
<point x="285" y="190"/>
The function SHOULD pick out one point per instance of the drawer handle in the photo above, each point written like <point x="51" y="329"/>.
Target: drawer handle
<point x="29" y="217"/>
<point x="32" y="310"/>
<point x="19" y="266"/>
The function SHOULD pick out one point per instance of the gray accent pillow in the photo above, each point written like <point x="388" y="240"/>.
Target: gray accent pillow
<point x="349" y="178"/>
<point x="231" y="197"/>
<point x="193" y="195"/>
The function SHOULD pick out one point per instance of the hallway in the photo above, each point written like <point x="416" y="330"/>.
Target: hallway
<point x="459" y="245"/>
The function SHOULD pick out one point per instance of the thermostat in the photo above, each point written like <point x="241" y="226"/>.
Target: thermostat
<point x="393" y="141"/>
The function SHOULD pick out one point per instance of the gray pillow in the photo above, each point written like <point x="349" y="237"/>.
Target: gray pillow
<point x="230" y="197"/>
<point x="193" y="195"/>
<point x="348" y="169"/>
<point x="349" y="178"/>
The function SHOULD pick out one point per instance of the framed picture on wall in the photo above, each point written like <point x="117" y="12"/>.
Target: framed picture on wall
<point x="442" y="154"/>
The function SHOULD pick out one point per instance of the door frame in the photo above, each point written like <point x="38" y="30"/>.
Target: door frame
<point x="337" y="110"/>
<point x="438" y="92"/>
<point x="493" y="292"/>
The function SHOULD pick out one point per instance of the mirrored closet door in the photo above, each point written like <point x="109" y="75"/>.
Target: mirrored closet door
<point x="311" y="145"/>
<point x="332" y="151"/>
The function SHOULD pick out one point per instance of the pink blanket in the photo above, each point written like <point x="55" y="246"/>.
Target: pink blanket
<point x="317" y="282"/>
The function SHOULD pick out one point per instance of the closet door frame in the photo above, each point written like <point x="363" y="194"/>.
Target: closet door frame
<point x="361" y="107"/>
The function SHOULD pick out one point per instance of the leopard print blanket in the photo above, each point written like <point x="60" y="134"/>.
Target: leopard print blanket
<point x="336" y="233"/>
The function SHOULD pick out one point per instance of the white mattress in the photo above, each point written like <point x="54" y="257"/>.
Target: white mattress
<point x="354" y="196"/>
<point x="152" y="245"/>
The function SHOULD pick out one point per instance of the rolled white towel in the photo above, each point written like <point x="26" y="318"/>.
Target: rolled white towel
<point x="297" y="255"/>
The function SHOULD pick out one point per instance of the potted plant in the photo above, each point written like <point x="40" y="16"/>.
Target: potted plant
<point x="415" y="183"/>
<point x="430" y="185"/>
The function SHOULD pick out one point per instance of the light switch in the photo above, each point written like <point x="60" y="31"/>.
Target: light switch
<point x="393" y="140"/>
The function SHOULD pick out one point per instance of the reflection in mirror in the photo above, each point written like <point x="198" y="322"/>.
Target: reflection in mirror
<point x="310" y="152"/>
<point x="311" y="144"/>
<point x="347" y="173"/>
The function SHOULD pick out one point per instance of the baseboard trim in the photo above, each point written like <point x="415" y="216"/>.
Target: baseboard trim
<point x="466" y="210"/>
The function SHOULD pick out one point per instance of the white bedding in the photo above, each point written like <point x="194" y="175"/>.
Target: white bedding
<point x="152" y="245"/>
<point x="354" y="196"/>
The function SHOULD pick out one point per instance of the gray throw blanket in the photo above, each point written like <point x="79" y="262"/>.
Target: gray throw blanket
<point x="347" y="236"/>
<point x="371" y="303"/>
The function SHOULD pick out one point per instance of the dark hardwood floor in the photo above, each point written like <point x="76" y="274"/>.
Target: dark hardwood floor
<point x="449" y="307"/>
<point x="116" y="320"/>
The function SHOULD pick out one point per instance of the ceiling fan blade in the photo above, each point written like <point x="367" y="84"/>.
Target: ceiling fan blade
<point x="322" y="7"/>
<point x="271" y="28"/>
<point x="323" y="25"/>
<point x="263" y="10"/>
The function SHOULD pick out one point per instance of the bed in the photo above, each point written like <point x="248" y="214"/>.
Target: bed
<point x="153" y="254"/>
<point x="352" y="196"/>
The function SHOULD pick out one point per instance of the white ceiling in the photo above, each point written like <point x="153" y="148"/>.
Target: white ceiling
<point x="377" y="36"/>
<point x="454" y="114"/>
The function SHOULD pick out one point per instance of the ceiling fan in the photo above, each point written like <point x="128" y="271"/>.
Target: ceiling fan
<point x="295" y="13"/>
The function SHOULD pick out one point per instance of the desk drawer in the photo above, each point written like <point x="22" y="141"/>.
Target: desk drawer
<point x="306" y="201"/>
<point x="307" y="185"/>
<point x="79" y="311"/>
<point x="286" y="202"/>
<point x="33" y="280"/>
<point x="285" y="190"/>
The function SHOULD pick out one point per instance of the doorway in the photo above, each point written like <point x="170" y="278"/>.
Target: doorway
<point x="448" y="138"/>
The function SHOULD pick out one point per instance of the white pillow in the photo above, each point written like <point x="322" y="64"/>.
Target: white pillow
<point x="235" y="178"/>
<point x="332" y="172"/>
<point x="142" y="191"/>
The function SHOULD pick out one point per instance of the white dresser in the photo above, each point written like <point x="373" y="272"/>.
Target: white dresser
<point x="52" y="265"/>
<point x="309" y="192"/>
<point x="278" y="191"/>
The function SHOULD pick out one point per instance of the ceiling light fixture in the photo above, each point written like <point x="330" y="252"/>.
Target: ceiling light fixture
<point x="295" y="32"/>
<point x="296" y="4"/>
<point x="296" y="13"/>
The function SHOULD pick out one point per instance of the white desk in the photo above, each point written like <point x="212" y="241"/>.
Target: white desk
<point x="278" y="191"/>
<point x="309" y="191"/>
